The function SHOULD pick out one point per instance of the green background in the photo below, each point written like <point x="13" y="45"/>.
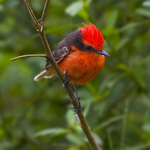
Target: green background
<point x="38" y="115"/>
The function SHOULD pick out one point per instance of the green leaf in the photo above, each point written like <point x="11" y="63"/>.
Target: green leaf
<point x="143" y="12"/>
<point x="5" y="60"/>
<point x="72" y="148"/>
<point x="73" y="138"/>
<point x="123" y="67"/>
<point x="129" y="26"/>
<point x="145" y="61"/>
<point x="146" y="3"/>
<point x="112" y="35"/>
<point x="74" y="8"/>
<point x="88" y="105"/>
<point x="112" y="18"/>
<point x="138" y="147"/>
<point x="97" y="139"/>
<point x="110" y="121"/>
<point x="146" y="127"/>
<point x="122" y="43"/>
<point x="53" y="131"/>
<point x="138" y="75"/>
<point x="72" y="122"/>
<point x="83" y="14"/>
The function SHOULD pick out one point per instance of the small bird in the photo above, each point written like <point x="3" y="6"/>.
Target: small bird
<point x="80" y="56"/>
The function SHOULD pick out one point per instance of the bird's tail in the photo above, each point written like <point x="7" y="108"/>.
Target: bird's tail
<point x="43" y="74"/>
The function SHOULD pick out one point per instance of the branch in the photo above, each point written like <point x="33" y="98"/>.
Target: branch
<point x="29" y="55"/>
<point x="45" y="10"/>
<point x="40" y="28"/>
<point x="31" y="12"/>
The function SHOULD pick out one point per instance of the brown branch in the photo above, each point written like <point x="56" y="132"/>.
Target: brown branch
<point x="45" y="10"/>
<point x="29" y="55"/>
<point x="40" y="28"/>
<point x="31" y="12"/>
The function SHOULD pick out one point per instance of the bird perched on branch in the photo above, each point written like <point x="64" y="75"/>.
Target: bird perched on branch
<point x="80" y="56"/>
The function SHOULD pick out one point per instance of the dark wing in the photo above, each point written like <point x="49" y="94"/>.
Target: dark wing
<point x="64" y="47"/>
<point x="58" y="54"/>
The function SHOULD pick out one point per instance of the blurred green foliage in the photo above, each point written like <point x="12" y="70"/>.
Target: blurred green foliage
<point x="38" y="115"/>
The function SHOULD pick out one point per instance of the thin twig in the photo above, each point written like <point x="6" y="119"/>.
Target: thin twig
<point x="31" y="12"/>
<point x="29" y="55"/>
<point x="45" y="10"/>
<point x="40" y="28"/>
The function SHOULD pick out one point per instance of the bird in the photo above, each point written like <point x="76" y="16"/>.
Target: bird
<point x="80" y="56"/>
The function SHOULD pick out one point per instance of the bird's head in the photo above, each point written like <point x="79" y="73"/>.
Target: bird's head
<point x="92" y="37"/>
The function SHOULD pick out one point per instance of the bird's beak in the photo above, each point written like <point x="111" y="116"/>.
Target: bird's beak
<point x="102" y="52"/>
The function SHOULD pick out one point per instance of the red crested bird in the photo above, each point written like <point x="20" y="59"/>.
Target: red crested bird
<point x="80" y="56"/>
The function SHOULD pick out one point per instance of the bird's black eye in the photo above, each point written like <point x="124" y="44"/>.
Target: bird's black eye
<point x="88" y="47"/>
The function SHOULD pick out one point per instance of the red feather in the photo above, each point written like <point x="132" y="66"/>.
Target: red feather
<point x="90" y="35"/>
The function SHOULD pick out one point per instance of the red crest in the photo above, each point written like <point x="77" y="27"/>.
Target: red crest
<point x="92" y="36"/>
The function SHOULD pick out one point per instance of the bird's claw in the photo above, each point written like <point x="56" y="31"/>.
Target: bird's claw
<point x="66" y="81"/>
<point x="78" y="110"/>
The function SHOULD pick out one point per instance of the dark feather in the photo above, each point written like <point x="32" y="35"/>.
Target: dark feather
<point x="64" y="47"/>
<point x="58" y="54"/>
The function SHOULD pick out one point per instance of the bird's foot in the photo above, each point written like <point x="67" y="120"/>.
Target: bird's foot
<point x="79" y="109"/>
<point x="66" y="81"/>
